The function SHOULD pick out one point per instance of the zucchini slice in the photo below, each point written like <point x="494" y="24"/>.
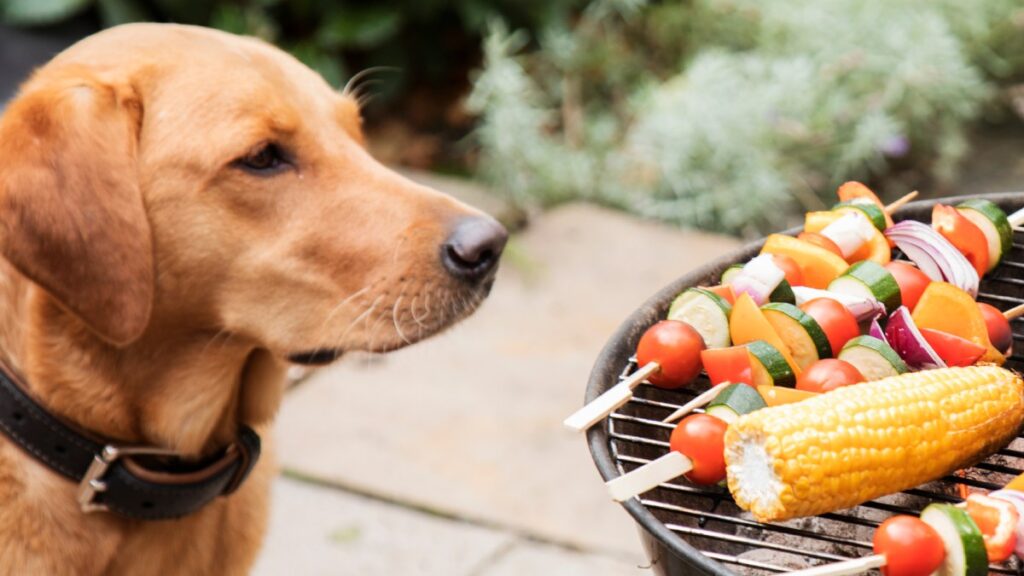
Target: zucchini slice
<point x="868" y="208"/>
<point x="783" y="293"/>
<point x="734" y="401"/>
<point x="768" y="366"/>
<point x="730" y="273"/>
<point x="868" y="279"/>
<point x="707" y="312"/>
<point x="806" y="340"/>
<point x="965" y="546"/>
<point x="872" y="357"/>
<point x="994" y="225"/>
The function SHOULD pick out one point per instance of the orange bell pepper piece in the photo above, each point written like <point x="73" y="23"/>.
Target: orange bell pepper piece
<point x="946" y="308"/>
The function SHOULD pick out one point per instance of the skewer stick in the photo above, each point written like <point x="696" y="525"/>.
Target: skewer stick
<point x="1015" y="312"/>
<point x="1016" y="219"/>
<point x="649" y="475"/>
<point x="855" y="566"/>
<point x="899" y="203"/>
<point x="606" y="403"/>
<point x="701" y="400"/>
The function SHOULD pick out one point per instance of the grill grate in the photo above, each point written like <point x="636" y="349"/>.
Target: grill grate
<point x="709" y="520"/>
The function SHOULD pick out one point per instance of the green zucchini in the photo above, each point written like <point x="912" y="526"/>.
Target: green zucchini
<point x="731" y="273"/>
<point x="768" y="366"/>
<point x="806" y="340"/>
<point x="869" y="209"/>
<point x="964" y="543"/>
<point x="869" y="279"/>
<point x="783" y="293"/>
<point x="708" y="314"/>
<point x="993" y="224"/>
<point x="872" y="357"/>
<point x="734" y="401"/>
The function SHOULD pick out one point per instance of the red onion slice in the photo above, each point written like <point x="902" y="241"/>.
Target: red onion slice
<point x="934" y="255"/>
<point x="907" y="341"/>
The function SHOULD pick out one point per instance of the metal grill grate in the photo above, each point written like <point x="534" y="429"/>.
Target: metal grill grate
<point x="708" y="519"/>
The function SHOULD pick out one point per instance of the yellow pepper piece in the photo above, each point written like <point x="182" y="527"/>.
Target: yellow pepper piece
<point x="747" y="324"/>
<point x="877" y="249"/>
<point x="946" y="308"/>
<point x="818" y="265"/>
<point x="779" y="395"/>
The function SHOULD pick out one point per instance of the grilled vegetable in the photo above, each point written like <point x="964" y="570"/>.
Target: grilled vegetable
<point x="828" y="374"/>
<point x="871" y="211"/>
<point x="707" y="312"/>
<point x="999" y="332"/>
<point x="872" y="358"/>
<point x="779" y="395"/>
<point x="819" y="266"/>
<point x="946" y="308"/>
<point x="791" y="269"/>
<point x="904" y="337"/>
<point x="910" y="546"/>
<point x="857" y="192"/>
<point x="728" y="364"/>
<point x="783" y="291"/>
<point x="962" y="233"/>
<point x="759" y="277"/>
<point x="992" y="222"/>
<point x="997" y="521"/>
<point x="965" y="547"/>
<point x="911" y="281"/>
<point x="675" y="346"/>
<point x="734" y="401"/>
<point x="748" y="324"/>
<point x="954" y="350"/>
<point x="859" y="442"/>
<point x="851" y="231"/>
<point x="876" y="247"/>
<point x="835" y="319"/>
<point x="768" y="366"/>
<point x="699" y="438"/>
<point x="1011" y="493"/>
<point x="870" y="280"/>
<point x="806" y="340"/>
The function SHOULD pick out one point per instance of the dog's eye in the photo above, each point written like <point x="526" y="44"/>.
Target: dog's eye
<point x="263" y="161"/>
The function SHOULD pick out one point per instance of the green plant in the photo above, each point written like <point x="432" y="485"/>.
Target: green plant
<point x="736" y="115"/>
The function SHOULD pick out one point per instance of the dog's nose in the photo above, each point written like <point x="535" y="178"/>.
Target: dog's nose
<point x="473" y="248"/>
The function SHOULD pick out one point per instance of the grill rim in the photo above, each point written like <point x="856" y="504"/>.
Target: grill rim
<point x="614" y="357"/>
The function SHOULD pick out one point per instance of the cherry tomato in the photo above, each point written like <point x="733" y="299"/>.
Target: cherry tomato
<point x="701" y="438"/>
<point x="954" y="350"/>
<point x="837" y="322"/>
<point x="852" y="190"/>
<point x="676" y="347"/>
<point x="911" y="281"/>
<point x="821" y="241"/>
<point x="999" y="332"/>
<point x="794" y="275"/>
<point x="910" y="546"/>
<point x="828" y="374"/>
<point x="962" y="233"/>
<point x="727" y="365"/>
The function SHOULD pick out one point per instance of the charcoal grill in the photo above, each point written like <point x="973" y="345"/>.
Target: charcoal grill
<point x="688" y="529"/>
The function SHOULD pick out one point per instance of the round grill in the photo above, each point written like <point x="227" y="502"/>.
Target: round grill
<point x="689" y="529"/>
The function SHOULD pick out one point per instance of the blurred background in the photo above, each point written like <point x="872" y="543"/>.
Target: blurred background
<point x="626" y="142"/>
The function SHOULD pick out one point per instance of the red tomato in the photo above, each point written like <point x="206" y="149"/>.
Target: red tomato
<point x="911" y="281"/>
<point x="910" y="546"/>
<point x="954" y="350"/>
<point x="794" y="275"/>
<point x="676" y="347"/>
<point x="701" y="438"/>
<point x="822" y="241"/>
<point x="837" y="322"/>
<point x="828" y="374"/>
<point x="999" y="332"/>
<point x="727" y="365"/>
<point x="962" y="233"/>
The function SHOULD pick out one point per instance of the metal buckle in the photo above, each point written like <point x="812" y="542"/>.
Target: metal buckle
<point x="92" y="483"/>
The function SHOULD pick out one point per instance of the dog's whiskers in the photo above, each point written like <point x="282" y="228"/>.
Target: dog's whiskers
<point x="394" y="318"/>
<point x="353" y="82"/>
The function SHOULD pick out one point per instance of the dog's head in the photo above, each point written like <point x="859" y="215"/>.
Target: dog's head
<point x="156" y="176"/>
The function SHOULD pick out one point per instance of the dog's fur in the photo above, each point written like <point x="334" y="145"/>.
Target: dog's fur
<point x="153" y="288"/>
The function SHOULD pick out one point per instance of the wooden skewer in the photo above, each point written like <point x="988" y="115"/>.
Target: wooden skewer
<point x="899" y="203"/>
<point x="606" y="403"/>
<point x="698" y="402"/>
<point x="648" y="476"/>
<point x="1015" y="312"/>
<point x="855" y="566"/>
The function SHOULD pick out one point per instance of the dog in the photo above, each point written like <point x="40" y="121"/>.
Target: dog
<point x="184" y="213"/>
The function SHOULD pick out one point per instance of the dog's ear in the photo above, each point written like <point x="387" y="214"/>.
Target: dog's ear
<point x="71" y="214"/>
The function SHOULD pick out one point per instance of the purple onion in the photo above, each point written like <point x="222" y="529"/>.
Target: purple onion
<point x="907" y="341"/>
<point x="934" y="255"/>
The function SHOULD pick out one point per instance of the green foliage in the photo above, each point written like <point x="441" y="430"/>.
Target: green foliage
<point x="735" y="115"/>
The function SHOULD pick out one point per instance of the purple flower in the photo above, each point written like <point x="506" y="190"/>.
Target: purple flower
<point x="895" y="146"/>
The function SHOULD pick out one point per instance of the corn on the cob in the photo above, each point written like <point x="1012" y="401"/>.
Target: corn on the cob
<point x="859" y="442"/>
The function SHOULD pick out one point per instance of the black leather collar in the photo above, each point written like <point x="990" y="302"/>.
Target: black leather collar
<point x="113" y="477"/>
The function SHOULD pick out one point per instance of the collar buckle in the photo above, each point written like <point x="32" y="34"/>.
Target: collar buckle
<point x="92" y="483"/>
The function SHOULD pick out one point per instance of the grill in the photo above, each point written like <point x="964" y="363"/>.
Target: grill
<point x="688" y="529"/>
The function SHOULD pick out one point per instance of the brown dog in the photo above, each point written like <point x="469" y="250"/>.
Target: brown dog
<point x="182" y="212"/>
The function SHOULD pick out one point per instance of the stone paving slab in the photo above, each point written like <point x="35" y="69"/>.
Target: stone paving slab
<point x="469" y="423"/>
<point x="316" y="531"/>
<point x="528" y="558"/>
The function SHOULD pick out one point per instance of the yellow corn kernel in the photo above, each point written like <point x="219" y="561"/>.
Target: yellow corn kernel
<point x="859" y="442"/>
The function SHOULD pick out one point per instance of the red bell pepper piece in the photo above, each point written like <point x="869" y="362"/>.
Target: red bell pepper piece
<point x="954" y="350"/>
<point x="727" y="365"/>
<point x="962" y="233"/>
<point x="997" y="519"/>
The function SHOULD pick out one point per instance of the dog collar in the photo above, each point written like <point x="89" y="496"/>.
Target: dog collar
<point x="122" y="479"/>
